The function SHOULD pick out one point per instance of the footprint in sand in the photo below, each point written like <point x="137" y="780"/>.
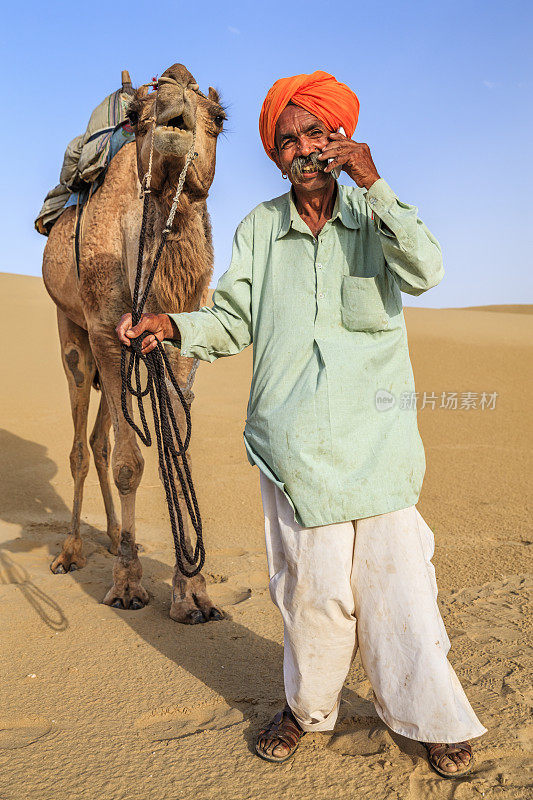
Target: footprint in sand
<point x="359" y="731"/>
<point x="426" y="785"/>
<point x="16" y="732"/>
<point x="253" y="579"/>
<point x="229" y="552"/>
<point x="490" y="779"/>
<point x="216" y="577"/>
<point x="495" y="655"/>
<point x="224" y="595"/>
<point x="165" y="724"/>
<point x="364" y="737"/>
<point x="231" y="590"/>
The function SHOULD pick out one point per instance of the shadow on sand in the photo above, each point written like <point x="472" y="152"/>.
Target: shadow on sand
<point x="238" y="664"/>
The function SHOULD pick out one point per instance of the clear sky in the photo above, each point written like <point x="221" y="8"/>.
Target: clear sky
<point x="445" y="88"/>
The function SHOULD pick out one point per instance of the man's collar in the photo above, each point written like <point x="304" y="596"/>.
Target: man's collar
<point x="341" y="210"/>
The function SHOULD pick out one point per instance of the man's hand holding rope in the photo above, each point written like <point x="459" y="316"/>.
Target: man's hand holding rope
<point x="159" y="326"/>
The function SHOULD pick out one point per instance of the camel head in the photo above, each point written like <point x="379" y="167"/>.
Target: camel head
<point x="178" y="107"/>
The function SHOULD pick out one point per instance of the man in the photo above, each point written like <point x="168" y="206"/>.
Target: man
<point x="315" y="282"/>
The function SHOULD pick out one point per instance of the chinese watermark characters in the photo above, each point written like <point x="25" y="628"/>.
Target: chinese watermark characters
<point x="454" y="401"/>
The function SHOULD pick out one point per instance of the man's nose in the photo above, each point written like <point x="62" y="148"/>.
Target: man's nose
<point x="305" y="146"/>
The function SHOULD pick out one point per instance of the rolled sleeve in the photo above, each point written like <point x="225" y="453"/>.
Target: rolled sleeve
<point x="411" y="251"/>
<point x="225" y="328"/>
<point x="185" y="326"/>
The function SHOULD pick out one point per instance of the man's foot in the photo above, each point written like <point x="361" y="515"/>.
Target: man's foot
<point x="450" y="760"/>
<point x="280" y="739"/>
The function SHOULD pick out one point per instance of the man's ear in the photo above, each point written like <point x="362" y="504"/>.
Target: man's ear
<point x="275" y="157"/>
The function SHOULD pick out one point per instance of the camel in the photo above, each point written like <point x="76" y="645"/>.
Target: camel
<point x="89" y="307"/>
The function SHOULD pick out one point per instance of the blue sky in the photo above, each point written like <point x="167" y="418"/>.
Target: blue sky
<point x="445" y="91"/>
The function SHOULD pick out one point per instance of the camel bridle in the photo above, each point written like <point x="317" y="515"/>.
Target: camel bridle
<point x="171" y="448"/>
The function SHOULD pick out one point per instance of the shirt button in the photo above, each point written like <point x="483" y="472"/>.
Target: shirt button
<point x="321" y="295"/>
<point x="319" y="266"/>
<point x="373" y="201"/>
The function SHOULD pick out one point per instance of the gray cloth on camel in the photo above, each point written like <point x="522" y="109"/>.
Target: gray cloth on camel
<point x="86" y="158"/>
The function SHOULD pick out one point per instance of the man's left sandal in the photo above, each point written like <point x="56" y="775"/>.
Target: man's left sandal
<point x="438" y="752"/>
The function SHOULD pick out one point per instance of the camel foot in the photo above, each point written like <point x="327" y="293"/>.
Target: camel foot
<point x="190" y="611"/>
<point x="131" y="597"/>
<point x="60" y="569"/>
<point x="215" y="615"/>
<point x="70" y="558"/>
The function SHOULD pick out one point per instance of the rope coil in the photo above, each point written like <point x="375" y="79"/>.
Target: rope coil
<point x="172" y="449"/>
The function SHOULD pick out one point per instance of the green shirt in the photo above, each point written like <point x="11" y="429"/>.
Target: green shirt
<point x="330" y="349"/>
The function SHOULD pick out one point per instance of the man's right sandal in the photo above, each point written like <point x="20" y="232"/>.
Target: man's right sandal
<point x="284" y="731"/>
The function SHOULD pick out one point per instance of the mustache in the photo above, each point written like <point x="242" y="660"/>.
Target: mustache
<point x="300" y="162"/>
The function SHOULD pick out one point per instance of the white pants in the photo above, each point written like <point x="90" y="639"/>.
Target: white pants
<point x="370" y="583"/>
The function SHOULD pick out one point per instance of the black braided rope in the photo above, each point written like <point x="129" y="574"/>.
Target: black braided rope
<point x="171" y="448"/>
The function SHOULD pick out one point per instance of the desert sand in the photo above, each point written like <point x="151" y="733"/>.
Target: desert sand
<point x="102" y="704"/>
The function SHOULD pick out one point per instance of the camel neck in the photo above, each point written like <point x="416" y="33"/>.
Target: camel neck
<point x="187" y="208"/>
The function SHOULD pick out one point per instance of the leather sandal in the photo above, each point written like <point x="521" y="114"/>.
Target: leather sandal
<point x="437" y="752"/>
<point x="283" y="730"/>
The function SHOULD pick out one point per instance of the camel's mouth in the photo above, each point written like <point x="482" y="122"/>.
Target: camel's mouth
<point x="173" y="139"/>
<point x="174" y="124"/>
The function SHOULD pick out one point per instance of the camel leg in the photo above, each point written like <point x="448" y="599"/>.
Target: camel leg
<point x="191" y="603"/>
<point x="99" y="441"/>
<point x="127" y="465"/>
<point x="80" y="369"/>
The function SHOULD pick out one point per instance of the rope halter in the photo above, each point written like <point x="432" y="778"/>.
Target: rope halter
<point x="191" y="154"/>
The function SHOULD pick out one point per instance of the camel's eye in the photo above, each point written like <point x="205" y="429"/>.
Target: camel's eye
<point x="133" y="117"/>
<point x="219" y="120"/>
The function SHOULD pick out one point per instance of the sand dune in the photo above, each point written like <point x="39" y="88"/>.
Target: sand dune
<point x="99" y="704"/>
<point x="513" y="309"/>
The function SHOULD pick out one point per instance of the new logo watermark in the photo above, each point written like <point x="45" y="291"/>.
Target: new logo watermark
<point x="384" y="400"/>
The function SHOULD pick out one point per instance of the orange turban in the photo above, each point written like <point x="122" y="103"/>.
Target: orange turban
<point x="319" y="93"/>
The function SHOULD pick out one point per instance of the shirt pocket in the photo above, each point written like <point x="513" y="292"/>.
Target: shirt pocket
<point x="362" y="306"/>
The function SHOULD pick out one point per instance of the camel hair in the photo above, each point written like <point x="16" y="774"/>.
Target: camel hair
<point x="89" y="307"/>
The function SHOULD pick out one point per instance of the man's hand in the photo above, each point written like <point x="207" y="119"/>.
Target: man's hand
<point x="160" y="326"/>
<point x="353" y="157"/>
